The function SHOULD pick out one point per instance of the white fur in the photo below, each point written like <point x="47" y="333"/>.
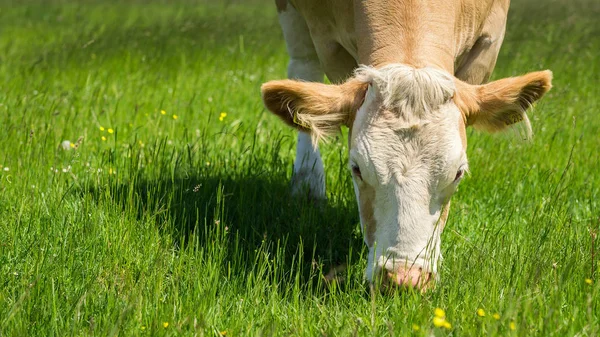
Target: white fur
<point x="304" y="63"/>
<point x="414" y="93"/>
<point x="309" y="173"/>
<point x="407" y="144"/>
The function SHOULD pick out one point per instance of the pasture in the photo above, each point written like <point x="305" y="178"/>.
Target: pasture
<point x="169" y="212"/>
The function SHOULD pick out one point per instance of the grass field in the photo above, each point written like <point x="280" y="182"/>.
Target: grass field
<point x="169" y="212"/>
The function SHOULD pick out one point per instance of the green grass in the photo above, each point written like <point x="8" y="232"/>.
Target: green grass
<point x="189" y="221"/>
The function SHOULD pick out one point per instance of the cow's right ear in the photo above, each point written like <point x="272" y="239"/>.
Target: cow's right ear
<point x="496" y="105"/>
<point x="318" y="108"/>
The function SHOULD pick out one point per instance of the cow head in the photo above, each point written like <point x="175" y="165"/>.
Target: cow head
<point x="407" y="145"/>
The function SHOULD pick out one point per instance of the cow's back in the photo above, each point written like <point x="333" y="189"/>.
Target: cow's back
<point x="437" y="27"/>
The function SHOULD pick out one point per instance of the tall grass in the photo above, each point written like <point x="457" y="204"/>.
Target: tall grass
<point x="170" y="214"/>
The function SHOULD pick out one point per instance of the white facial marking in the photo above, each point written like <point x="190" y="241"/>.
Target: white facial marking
<point x="406" y="143"/>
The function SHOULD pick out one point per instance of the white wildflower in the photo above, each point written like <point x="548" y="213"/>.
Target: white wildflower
<point x="66" y="145"/>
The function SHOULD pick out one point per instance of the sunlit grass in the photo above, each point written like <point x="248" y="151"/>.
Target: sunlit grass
<point x="144" y="190"/>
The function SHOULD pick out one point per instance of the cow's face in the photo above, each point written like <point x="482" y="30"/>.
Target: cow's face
<point x="406" y="150"/>
<point x="407" y="156"/>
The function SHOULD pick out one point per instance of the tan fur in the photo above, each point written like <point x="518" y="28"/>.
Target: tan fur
<point x="462" y="131"/>
<point x="418" y="61"/>
<point x="314" y="107"/>
<point x="494" y="106"/>
<point x="415" y="32"/>
<point x="444" y="216"/>
<point x="461" y="37"/>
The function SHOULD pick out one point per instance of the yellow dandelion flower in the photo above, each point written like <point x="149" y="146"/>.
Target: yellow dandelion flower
<point x="175" y="116"/>
<point x="439" y="312"/>
<point x="143" y="328"/>
<point x="480" y="312"/>
<point x="416" y="327"/>
<point x="496" y="316"/>
<point x="222" y="116"/>
<point x="512" y="326"/>
<point x="110" y="130"/>
<point x="223" y="333"/>
<point x="101" y="128"/>
<point x="165" y="325"/>
<point x="439" y="321"/>
<point x="72" y="145"/>
<point x="163" y="112"/>
<point x="589" y="281"/>
<point x="447" y="325"/>
<point x="103" y="138"/>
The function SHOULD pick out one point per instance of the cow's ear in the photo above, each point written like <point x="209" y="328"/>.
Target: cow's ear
<point x="318" y="108"/>
<point x="496" y="105"/>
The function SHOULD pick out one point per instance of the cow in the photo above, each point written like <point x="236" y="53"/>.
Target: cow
<point x="409" y="76"/>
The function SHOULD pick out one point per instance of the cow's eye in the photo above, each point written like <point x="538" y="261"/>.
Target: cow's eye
<point x="459" y="174"/>
<point x="356" y="171"/>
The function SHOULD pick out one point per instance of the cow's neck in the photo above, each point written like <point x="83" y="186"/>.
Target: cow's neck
<point x="413" y="32"/>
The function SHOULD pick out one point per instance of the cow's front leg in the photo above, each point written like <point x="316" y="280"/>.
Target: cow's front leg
<point x="309" y="174"/>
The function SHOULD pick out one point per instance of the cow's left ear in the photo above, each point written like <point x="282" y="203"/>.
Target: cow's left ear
<point x="496" y="105"/>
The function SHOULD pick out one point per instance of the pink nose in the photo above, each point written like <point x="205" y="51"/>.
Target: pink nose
<point x="403" y="278"/>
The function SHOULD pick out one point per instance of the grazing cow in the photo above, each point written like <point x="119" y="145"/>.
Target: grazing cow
<point x="408" y="77"/>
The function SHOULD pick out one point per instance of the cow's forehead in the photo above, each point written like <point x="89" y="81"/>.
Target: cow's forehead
<point x="408" y="125"/>
<point x="382" y="146"/>
<point x="375" y="124"/>
<point x="405" y="100"/>
<point x="413" y="92"/>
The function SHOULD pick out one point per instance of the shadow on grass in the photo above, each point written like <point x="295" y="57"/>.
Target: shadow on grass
<point x="257" y="213"/>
